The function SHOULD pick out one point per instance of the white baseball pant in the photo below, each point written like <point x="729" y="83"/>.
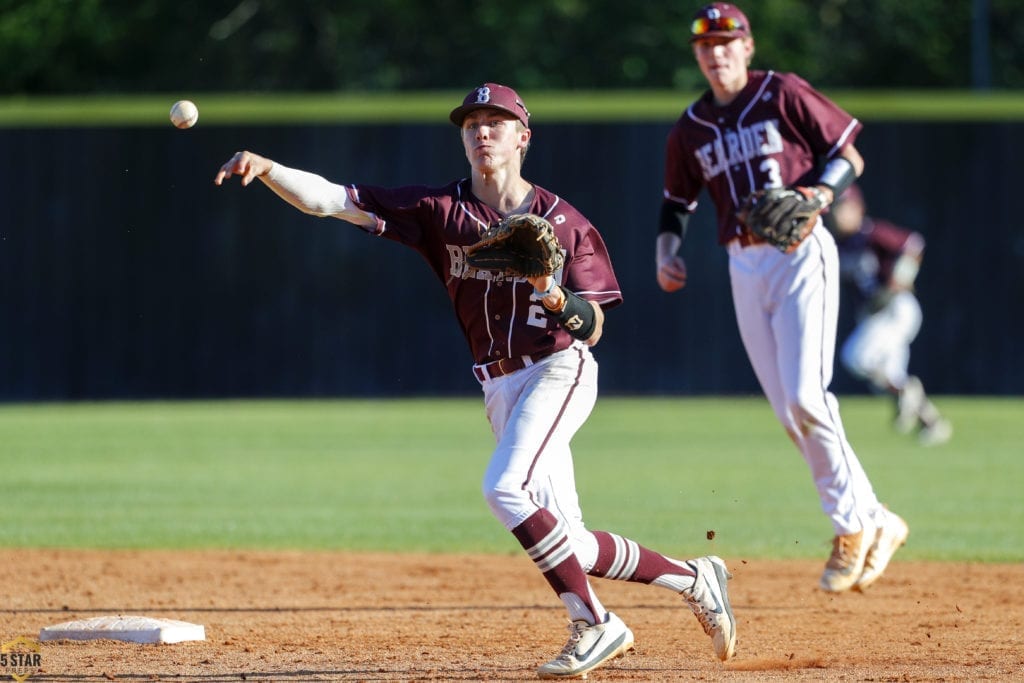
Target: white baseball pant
<point x="787" y="307"/>
<point x="878" y="349"/>
<point x="534" y="414"/>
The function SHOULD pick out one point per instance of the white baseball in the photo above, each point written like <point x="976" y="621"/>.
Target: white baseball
<point x="184" y="114"/>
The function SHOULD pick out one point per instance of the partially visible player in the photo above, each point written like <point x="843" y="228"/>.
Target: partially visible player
<point x="749" y="131"/>
<point x="879" y="261"/>
<point x="539" y="377"/>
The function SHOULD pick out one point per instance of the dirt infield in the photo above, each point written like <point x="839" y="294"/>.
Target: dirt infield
<point x="291" y="616"/>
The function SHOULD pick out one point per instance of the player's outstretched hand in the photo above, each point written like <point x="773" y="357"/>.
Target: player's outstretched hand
<point x="245" y="164"/>
<point x="671" y="273"/>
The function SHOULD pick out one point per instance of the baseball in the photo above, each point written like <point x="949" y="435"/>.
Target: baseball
<point x="184" y="114"/>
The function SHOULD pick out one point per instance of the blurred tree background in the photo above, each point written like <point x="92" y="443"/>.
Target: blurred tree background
<point x="51" y="47"/>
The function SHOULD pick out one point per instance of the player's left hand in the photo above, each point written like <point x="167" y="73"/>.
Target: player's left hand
<point x="783" y="216"/>
<point x="671" y="273"/>
<point x="522" y="245"/>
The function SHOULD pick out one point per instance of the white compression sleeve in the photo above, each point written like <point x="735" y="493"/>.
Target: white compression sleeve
<point x="314" y="194"/>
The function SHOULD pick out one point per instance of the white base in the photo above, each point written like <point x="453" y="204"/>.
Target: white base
<point x="130" y="628"/>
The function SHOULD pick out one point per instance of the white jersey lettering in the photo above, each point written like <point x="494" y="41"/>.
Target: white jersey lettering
<point x="739" y="146"/>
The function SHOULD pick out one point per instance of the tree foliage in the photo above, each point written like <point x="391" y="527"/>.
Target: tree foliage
<point x="88" y="46"/>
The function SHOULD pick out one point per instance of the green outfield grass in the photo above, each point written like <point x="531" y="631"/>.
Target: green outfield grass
<point x="404" y="475"/>
<point x="433" y="107"/>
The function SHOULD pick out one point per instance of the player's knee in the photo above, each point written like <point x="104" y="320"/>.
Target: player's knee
<point x="806" y="414"/>
<point x="506" y="503"/>
<point x="492" y="493"/>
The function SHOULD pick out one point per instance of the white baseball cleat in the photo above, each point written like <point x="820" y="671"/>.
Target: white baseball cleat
<point x="588" y="648"/>
<point x="936" y="433"/>
<point x="846" y="563"/>
<point x="709" y="600"/>
<point x="888" y="540"/>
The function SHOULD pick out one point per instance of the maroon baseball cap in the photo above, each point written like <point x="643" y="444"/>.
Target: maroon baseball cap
<point x="719" y="19"/>
<point x="492" y="96"/>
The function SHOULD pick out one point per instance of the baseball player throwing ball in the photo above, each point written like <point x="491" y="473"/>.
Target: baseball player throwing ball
<point x="879" y="261"/>
<point x="754" y="140"/>
<point x="529" y="280"/>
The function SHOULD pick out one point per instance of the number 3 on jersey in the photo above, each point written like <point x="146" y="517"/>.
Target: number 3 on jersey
<point x="770" y="166"/>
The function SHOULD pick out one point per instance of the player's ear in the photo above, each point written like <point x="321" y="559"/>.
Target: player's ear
<point x="525" y="135"/>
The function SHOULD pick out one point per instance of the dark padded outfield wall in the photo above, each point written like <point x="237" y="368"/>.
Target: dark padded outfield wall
<point x="127" y="274"/>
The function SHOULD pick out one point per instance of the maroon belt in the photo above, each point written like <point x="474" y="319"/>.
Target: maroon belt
<point x="505" y="366"/>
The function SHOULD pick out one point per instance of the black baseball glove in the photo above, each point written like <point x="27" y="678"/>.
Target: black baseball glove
<point x="522" y="245"/>
<point x="782" y="216"/>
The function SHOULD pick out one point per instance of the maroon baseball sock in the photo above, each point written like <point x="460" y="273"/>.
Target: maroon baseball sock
<point x="543" y="537"/>
<point x="625" y="560"/>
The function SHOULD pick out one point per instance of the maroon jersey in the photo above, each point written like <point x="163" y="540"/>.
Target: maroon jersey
<point x="498" y="314"/>
<point x="867" y="257"/>
<point x="772" y="135"/>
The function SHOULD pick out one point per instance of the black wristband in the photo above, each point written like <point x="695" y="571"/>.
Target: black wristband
<point x="838" y="175"/>
<point x="671" y="219"/>
<point x="577" y="315"/>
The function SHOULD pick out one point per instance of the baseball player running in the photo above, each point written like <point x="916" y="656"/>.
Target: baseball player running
<point x="753" y="131"/>
<point x="879" y="261"/>
<point x="530" y="339"/>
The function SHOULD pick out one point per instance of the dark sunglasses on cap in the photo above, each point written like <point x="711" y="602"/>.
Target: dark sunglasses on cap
<point x="705" y="25"/>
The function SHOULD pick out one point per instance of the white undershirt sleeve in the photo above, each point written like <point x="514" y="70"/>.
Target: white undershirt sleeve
<point x="314" y="195"/>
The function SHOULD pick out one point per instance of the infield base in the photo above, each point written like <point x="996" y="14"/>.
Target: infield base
<point x="134" y="629"/>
